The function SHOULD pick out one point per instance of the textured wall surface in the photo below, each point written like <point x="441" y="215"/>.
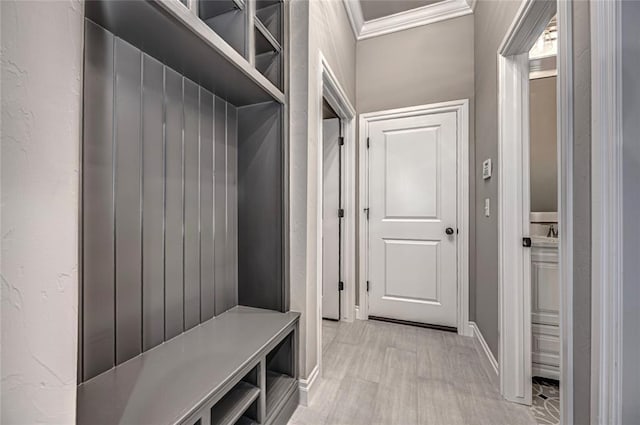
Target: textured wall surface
<point x="631" y="177"/>
<point x="492" y="19"/>
<point x="581" y="213"/>
<point x="543" y="146"/>
<point x="298" y="98"/>
<point x="317" y="26"/>
<point x="41" y="128"/>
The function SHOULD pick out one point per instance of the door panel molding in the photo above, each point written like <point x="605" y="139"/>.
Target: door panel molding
<point x="461" y="109"/>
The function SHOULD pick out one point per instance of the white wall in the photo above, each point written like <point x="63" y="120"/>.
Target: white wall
<point x="41" y="124"/>
<point x="426" y="64"/>
<point x="543" y="145"/>
<point x="316" y="26"/>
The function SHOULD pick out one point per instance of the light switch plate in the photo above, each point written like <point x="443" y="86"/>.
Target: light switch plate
<point x="486" y="169"/>
<point x="487" y="207"/>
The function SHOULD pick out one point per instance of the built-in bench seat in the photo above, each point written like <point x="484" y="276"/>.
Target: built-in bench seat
<point x="239" y="367"/>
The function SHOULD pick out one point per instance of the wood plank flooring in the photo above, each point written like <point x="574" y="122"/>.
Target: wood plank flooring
<point x="386" y="374"/>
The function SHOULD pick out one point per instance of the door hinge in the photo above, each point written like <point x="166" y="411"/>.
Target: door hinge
<point x="341" y="213"/>
<point x="340" y="286"/>
<point x="367" y="286"/>
<point x="341" y="140"/>
<point x="366" y="211"/>
<point x="367" y="143"/>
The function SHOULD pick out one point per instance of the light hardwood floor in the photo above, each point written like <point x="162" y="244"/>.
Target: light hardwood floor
<point x="385" y="374"/>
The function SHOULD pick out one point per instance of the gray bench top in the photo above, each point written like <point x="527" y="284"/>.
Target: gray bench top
<point x="165" y="384"/>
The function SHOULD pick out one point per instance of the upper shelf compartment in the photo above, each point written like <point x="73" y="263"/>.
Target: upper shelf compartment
<point x="228" y="18"/>
<point x="174" y="35"/>
<point x="268" y="40"/>
<point x="269" y="13"/>
<point x="212" y="8"/>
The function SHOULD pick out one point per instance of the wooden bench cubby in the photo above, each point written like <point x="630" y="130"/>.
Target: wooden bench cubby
<point x="239" y="367"/>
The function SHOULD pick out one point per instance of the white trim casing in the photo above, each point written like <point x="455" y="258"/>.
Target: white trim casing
<point x="485" y="347"/>
<point x="531" y="19"/>
<point x="514" y="261"/>
<point x="606" y="213"/>
<point x="329" y="88"/>
<point x="565" y="204"/>
<point x="429" y="14"/>
<point x="461" y="108"/>
<point x="307" y="387"/>
<point x="363" y="222"/>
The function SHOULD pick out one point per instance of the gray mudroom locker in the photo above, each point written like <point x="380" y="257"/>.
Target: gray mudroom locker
<point x="184" y="297"/>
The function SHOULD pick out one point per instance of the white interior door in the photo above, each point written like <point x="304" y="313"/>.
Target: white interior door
<point x="330" y="220"/>
<point x="412" y="203"/>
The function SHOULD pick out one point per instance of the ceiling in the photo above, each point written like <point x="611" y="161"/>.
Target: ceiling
<point x="373" y="9"/>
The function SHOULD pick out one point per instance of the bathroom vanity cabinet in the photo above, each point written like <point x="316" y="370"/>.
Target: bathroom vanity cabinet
<point x="545" y="305"/>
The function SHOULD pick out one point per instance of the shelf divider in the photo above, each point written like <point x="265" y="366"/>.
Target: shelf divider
<point x="275" y="45"/>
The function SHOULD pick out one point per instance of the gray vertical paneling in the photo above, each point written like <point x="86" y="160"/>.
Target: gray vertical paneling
<point x="127" y="201"/>
<point x="160" y="195"/>
<point x="231" y="289"/>
<point x="152" y="203"/>
<point x="260" y="206"/>
<point x="98" y="335"/>
<point x="191" y="205"/>
<point x="207" y="295"/>
<point x="173" y="246"/>
<point x="220" y="215"/>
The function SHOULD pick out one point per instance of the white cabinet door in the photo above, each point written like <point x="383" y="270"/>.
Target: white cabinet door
<point x="412" y="201"/>
<point x="545" y="286"/>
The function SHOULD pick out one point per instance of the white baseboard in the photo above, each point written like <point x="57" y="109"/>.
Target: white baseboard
<point x="466" y="330"/>
<point x="485" y="347"/>
<point x="307" y="387"/>
<point x="360" y="314"/>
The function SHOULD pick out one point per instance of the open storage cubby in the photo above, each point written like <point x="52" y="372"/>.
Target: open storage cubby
<point x="228" y="19"/>
<point x="268" y="40"/>
<point x="280" y="373"/>
<point x="269" y="13"/>
<point x="241" y="401"/>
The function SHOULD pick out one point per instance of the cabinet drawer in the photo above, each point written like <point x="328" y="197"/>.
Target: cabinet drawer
<point x="545" y="345"/>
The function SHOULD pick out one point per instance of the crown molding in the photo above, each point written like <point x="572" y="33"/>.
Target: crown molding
<point x="446" y="9"/>
<point x="356" y="18"/>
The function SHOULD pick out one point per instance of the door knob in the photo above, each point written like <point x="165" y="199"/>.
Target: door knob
<point x="449" y="231"/>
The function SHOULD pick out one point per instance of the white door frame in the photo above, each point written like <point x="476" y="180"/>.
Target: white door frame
<point x="606" y="213"/>
<point x="330" y="89"/>
<point x="461" y="108"/>
<point x="513" y="200"/>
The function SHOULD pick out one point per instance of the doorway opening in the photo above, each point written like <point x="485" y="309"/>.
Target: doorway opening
<point x="332" y="212"/>
<point x="544" y="232"/>
<point x="535" y="231"/>
<point x="338" y="289"/>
